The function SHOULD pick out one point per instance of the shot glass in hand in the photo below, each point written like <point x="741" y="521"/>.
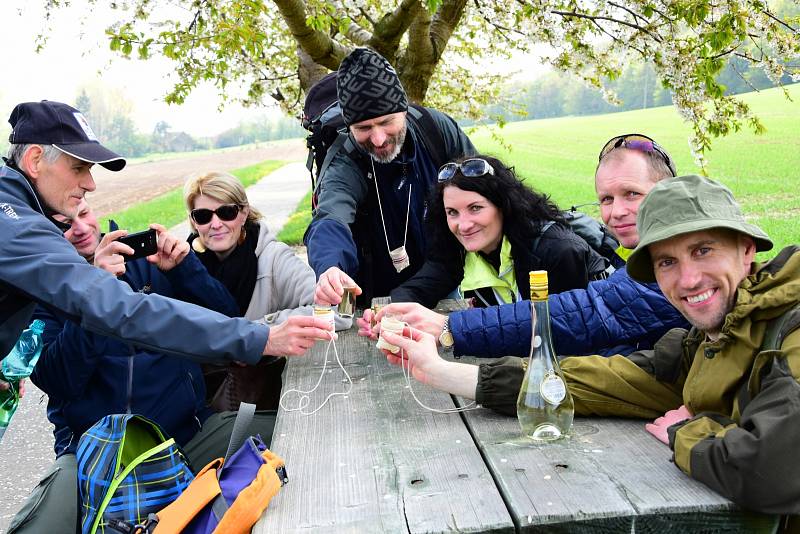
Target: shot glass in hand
<point x="347" y="307"/>
<point x="326" y="313"/>
<point x="377" y="304"/>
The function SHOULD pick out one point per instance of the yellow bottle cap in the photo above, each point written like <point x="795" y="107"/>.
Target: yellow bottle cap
<point x="538" y="282"/>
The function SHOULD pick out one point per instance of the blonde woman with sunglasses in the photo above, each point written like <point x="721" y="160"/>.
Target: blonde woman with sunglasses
<point x="267" y="280"/>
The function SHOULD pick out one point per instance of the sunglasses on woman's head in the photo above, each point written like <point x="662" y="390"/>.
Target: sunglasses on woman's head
<point x="639" y="142"/>
<point x="226" y="212"/>
<point x="471" y="168"/>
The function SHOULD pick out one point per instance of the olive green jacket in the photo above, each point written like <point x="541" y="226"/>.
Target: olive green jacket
<point x="744" y="437"/>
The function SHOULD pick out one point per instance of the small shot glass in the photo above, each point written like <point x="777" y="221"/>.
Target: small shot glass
<point x="377" y="304"/>
<point x="347" y="307"/>
<point x="325" y="312"/>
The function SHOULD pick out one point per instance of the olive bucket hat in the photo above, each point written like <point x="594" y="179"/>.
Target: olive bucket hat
<point x="682" y="205"/>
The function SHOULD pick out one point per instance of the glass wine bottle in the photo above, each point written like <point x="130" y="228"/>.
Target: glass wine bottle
<point x="544" y="407"/>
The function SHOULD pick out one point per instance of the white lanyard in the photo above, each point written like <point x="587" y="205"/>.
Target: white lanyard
<point x="399" y="255"/>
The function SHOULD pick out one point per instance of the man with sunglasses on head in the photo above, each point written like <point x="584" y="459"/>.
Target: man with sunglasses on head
<point x="613" y="316"/>
<point x="48" y="172"/>
<point x="367" y="229"/>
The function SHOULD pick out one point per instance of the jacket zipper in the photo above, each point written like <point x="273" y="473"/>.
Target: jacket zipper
<point x="194" y="394"/>
<point x="129" y="398"/>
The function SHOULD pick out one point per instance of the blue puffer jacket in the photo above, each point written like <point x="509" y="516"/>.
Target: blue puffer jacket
<point x="88" y="376"/>
<point x="613" y="316"/>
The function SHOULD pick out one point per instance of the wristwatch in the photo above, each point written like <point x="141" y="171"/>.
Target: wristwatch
<point x="446" y="337"/>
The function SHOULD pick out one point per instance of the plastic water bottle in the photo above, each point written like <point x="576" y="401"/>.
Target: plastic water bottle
<point x="17" y="365"/>
<point x="21" y="360"/>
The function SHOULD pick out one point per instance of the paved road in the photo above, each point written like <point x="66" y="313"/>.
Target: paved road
<point x="27" y="448"/>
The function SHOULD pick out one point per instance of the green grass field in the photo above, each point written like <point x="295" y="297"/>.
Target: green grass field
<point x="169" y="210"/>
<point x="558" y="157"/>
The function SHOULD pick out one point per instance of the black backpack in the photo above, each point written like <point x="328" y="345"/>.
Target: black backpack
<point x="322" y="117"/>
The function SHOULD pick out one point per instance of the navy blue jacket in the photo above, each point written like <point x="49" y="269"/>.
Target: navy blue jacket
<point x="613" y="316"/>
<point x="346" y="230"/>
<point x="88" y="376"/>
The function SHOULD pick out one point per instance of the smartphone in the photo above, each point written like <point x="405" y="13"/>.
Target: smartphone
<point x="142" y="243"/>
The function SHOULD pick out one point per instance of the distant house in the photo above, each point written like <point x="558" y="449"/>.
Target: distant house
<point x="179" y="142"/>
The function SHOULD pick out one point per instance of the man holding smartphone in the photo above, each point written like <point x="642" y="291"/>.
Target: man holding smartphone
<point x="87" y="376"/>
<point x="48" y="171"/>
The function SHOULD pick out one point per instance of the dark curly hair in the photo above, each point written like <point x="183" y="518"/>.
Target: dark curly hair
<point x="524" y="210"/>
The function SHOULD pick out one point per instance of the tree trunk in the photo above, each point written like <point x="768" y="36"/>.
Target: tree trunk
<point x="309" y="71"/>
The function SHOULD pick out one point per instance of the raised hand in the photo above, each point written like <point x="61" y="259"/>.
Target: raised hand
<point x="296" y="335"/>
<point x="109" y="253"/>
<point x="330" y="287"/>
<point x="171" y="250"/>
<point x="415" y="315"/>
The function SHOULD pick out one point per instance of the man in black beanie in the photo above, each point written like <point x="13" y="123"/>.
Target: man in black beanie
<point x="367" y="229"/>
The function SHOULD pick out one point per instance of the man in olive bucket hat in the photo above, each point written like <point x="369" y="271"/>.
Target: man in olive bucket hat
<point x="729" y="386"/>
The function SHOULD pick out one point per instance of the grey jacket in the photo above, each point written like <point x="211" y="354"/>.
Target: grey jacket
<point x="37" y="265"/>
<point x="284" y="283"/>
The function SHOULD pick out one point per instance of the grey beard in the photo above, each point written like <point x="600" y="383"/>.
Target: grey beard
<point x="401" y="139"/>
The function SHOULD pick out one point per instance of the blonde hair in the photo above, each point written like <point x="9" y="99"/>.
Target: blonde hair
<point x="220" y="186"/>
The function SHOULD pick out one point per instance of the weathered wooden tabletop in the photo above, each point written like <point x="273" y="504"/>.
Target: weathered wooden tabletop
<point x="376" y="461"/>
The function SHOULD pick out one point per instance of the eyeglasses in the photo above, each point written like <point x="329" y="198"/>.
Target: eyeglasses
<point x="226" y="212"/>
<point x="471" y="168"/>
<point x="639" y="142"/>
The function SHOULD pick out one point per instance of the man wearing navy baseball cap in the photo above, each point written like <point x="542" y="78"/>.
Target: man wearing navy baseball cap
<point x="47" y="172"/>
<point x="54" y="147"/>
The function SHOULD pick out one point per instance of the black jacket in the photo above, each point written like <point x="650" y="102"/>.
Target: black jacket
<point x="569" y="261"/>
<point x="346" y="229"/>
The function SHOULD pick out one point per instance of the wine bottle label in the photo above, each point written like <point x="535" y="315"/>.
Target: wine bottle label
<point x="553" y="389"/>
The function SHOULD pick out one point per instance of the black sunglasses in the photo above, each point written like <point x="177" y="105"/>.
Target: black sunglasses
<point x="471" y="168"/>
<point x="226" y="212"/>
<point x="639" y="142"/>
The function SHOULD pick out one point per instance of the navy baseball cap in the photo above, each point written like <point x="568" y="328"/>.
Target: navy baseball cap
<point x="64" y="127"/>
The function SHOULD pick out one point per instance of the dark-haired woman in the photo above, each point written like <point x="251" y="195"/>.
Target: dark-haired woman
<point x="486" y="230"/>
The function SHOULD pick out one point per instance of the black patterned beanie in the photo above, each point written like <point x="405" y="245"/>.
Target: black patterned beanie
<point x="368" y="87"/>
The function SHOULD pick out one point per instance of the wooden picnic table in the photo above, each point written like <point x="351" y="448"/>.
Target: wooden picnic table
<point x="376" y="461"/>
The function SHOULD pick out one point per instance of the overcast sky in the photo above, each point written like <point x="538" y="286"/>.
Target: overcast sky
<point x="77" y="53"/>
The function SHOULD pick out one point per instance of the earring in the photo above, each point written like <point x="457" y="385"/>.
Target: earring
<point x="197" y="245"/>
<point x="242" y="236"/>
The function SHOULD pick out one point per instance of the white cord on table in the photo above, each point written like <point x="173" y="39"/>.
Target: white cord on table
<point x="305" y="396"/>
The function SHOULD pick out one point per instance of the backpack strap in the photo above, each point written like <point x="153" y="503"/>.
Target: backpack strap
<point x="203" y="489"/>
<point x="779" y="327"/>
<point x="545" y="227"/>
<point x="239" y="433"/>
<point x="430" y="132"/>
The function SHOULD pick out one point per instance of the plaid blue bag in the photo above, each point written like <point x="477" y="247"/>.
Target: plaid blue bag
<point x="127" y="469"/>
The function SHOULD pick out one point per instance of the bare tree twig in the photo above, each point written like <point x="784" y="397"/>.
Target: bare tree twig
<point x="568" y="14"/>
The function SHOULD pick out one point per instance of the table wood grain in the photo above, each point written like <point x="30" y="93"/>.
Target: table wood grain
<point x="375" y="461"/>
